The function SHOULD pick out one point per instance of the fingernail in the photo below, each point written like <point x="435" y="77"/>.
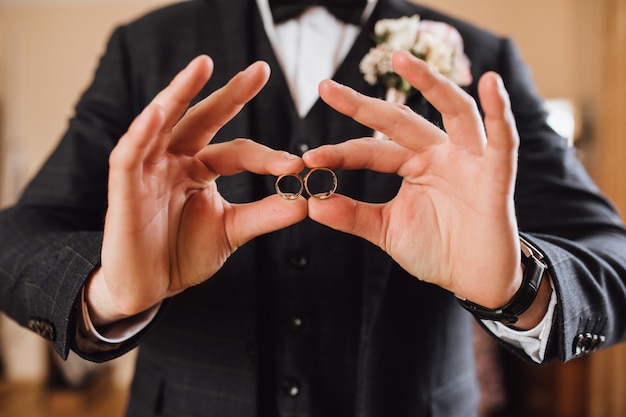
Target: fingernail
<point x="334" y="83"/>
<point x="290" y="156"/>
<point x="310" y="152"/>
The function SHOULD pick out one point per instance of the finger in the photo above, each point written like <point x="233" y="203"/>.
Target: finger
<point x="202" y="121"/>
<point x="346" y="215"/>
<point x="396" y="121"/>
<point x="458" y="109"/>
<point x="365" y="153"/>
<point x="175" y="98"/>
<point x="247" y="221"/>
<point x="144" y="140"/>
<point x="499" y="120"/>
<point x="502" y="136"/>
<point x="126" y="159"/>
<point x="235" y="156"/>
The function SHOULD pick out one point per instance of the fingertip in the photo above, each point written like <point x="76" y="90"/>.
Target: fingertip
<point x="492" y="83"/>
<point x="202" y="62"/>
<point x="499" y="83"/>
<point x="492" y="93"/>
<point x="251" y="80"/>
<point x="400" y="58"/>
<point x="320" y="157"/>
<point x="499" y="119"/>
<point x="289" y="156"/>
<point x="309" y="156"/>
<point x="404" y="63"/>
<point x="290" y="162"/>
<point x="261" y="69"/>
<point x="206" y="59"/>
<point x="265" y="66"/>
<point x="325" y="87"/>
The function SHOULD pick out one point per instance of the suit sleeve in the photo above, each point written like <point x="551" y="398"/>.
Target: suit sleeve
<point x="563" y="213"/>
<point x="50" y="241"/>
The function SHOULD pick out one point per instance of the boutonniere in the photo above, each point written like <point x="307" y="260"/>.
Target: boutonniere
<point x="437" y="43"/>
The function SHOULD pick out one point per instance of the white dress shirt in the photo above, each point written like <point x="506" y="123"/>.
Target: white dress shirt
<point x="309" y="49"/>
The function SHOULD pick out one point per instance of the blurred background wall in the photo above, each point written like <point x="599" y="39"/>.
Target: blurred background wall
<point x="575" y="48"/>
<point x="49" y="48"/>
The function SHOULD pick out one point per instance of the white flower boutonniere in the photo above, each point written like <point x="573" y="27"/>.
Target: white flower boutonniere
<point x="437" y="43"/>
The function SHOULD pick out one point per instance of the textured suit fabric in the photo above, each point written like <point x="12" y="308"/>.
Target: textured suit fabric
<point x="213" y="350"/>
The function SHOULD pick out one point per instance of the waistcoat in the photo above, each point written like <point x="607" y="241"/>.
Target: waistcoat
<point x="305" y="320"/>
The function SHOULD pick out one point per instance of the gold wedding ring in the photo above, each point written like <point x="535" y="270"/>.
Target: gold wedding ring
<point x="289" y="195"/>
<point x="324" y="194"/>
<point x="291" y="189"/>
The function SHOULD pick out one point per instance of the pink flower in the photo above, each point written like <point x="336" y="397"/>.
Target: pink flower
<point x="441" y="45"/>
<point x="437" y="43"/>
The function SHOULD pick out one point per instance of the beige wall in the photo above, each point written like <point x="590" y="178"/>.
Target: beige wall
<point x="558" y="38"/>
<point x="49" y="48"/>
<point x="47" y="55"/>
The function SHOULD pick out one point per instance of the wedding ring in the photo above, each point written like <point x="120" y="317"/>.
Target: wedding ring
<point x="293" y="185"/>
<point x="320" y="182"/>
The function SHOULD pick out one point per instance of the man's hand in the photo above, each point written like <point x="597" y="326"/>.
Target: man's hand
<point x="167" y="226"/>
<point x="452" y="222"/>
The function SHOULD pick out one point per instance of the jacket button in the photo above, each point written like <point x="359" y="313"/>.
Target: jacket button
<point x="585" y="343"/>
<point x="301" y="147"/>
<point x="298" y="260"/>
<point x="291" y="387"/>
<point x="295" y="323"/>
<point x="43" y="328"/>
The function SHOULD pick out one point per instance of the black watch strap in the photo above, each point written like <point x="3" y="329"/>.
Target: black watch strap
<point x="534" y="269"/>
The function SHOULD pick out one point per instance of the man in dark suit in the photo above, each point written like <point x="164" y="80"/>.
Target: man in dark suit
<point x="313" y="307"/>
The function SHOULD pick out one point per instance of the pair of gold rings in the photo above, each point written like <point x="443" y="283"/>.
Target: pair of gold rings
<point x="294" y="185"/>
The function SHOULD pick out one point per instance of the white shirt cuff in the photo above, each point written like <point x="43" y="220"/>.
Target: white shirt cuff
<point x="533" y="341"/>
<point x="120" y="331"/>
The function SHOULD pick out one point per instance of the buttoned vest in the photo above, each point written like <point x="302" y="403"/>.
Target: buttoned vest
<point x="304" y="320"/>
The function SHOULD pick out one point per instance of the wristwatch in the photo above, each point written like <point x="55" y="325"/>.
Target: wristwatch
<point x="534" y="269"/>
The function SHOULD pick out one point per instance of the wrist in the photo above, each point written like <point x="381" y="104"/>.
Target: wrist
<point x="538" y="309"/>
<point x="99" y="305"/>
<point x="529" y="302"/>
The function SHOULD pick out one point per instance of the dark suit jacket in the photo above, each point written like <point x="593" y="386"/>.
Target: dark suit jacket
<point x="414" y="353"/>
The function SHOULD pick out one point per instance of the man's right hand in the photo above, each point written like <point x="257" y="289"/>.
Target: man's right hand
<point x="167" y="227"/>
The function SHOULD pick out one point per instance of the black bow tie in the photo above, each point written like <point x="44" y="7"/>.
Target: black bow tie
<point x="349" y="11"/>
